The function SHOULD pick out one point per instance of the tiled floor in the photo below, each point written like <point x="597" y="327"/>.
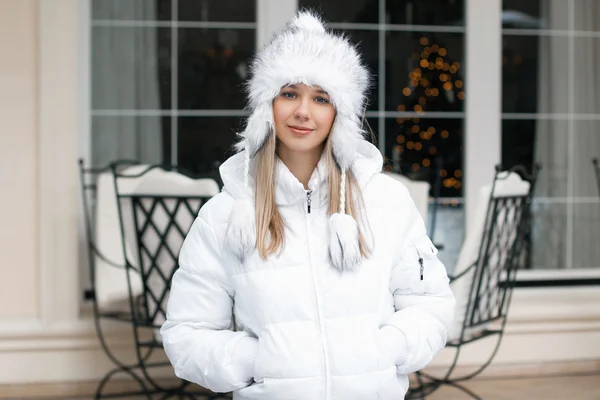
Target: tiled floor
<point x="546" y="388"/>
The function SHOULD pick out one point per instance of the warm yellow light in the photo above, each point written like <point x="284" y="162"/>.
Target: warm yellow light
<point x="399" y="149"/>
<point x="418" y="146"/>
<point x="431" y="66"/>
<point x="426" y="162"/>
<point x="442" y="52"/>
<point x="424" y="41"/>
<point x="431" y="130"/>
<point x="423" y="135"/>
<point x="400" y="139"/>
<point x="415" y="129"/>
<point x="400" y="121"/>
<point x="410" y="145"/>
<point x="435" y="91"/>
<point x="445" y="134"/>
<point x="461" y="95"/>
<point x="424" y="82"/>
<point x="443" y="77"/>
<point x="443" y="173"/>
<point x="416" y="167"/>
<point x="457" y="185"/>
<point x="401" y="107"/>
<point x="458" y="84"/>
<point x="406" y="91"/>
<point x="448" y="86"/>
<point x="418" y="108"/>
<point x="428" y="92"/>
<point x="432" y="150"/>
<point x="435" y="47"/>
<point x="445" y="67"/>
<point x="424" y="63"/>
<point x="422" y="100"/>
<point x="414" y="82"/>
<point x="453" y="69"/>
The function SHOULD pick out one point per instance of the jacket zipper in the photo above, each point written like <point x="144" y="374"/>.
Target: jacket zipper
<point x="421" y="263"/>
<point x="318" y="300"/>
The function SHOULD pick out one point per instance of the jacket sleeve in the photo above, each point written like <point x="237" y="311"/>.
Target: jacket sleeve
<point x="197" y="335"/>
<point x="423" y="301"/>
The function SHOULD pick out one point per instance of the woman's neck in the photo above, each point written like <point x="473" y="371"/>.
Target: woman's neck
<point x="300" y="164"/>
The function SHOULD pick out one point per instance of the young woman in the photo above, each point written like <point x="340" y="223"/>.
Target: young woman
<point x="336" y="289"/>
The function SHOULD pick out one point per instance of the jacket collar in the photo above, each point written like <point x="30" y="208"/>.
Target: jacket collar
<point x="288" y="189"/>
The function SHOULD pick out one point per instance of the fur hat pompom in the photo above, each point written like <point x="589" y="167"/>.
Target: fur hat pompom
<point x="240" y="237"/>
<point x="344" y="248"/>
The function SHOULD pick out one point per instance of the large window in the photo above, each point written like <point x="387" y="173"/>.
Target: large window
<point x="166" y="79"/>
<point x="551" y="113"/>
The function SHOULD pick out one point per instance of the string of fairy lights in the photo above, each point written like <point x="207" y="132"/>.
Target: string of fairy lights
<point x="432" y="77"/>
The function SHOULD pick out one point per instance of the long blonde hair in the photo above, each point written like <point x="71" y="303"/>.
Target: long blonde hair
<point x="269" y="224"/>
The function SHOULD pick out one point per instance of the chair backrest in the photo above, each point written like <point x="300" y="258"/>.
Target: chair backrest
<point x="491" y="253"/>
<point x="419" y="191"/>
<point x="155" y="215"/>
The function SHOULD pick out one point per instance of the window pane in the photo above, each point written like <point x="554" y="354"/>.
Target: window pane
<point x="586" y="231"/>
<point x="213" y="67"/>
<point x="427" y="150"/>
<point x="206" y="142"/>
<point x="368" y="42"/>
<point x="586" y="15"/>
<point x="534" y="74"/>
<point x="586" y="144"/>
<point x="133" y="10"/>
<point x="145" y="139"/>
<point x="424" y="71"/>
<point x="544" y="141"/>
<point x="215" y="10"/>
<point x="422" y="12"/>
<point x="548" y="235"/>
<point x="538" y="14"/>
<point x="587" y="82"/>
<point x="131" y="68"/>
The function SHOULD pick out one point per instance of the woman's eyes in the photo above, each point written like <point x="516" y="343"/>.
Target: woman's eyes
<point x="292" y="95"/>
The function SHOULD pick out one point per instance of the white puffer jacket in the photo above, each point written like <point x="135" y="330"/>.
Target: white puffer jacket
<point x="304" y="330"/>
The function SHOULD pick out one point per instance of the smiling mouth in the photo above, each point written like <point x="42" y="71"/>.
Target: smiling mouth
<point x="298" y="130"/>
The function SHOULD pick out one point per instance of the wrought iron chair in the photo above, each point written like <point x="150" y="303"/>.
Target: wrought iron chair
<point x="492" y="252"/>
<point x="135" y="259"/>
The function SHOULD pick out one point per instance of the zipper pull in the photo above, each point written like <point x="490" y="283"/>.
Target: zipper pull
<point x="421" y="263"/>
<point x="308" y="199"/>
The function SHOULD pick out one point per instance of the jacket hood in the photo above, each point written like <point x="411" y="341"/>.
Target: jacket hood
<point x="367" y="163"/>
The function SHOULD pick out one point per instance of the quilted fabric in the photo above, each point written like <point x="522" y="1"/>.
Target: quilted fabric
<point x="303" y="330"/>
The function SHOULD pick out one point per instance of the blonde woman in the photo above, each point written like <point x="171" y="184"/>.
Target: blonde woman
<point x="336" y="289"/>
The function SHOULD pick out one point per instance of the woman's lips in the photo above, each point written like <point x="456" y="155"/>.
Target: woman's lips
<point x="298" y="130"/>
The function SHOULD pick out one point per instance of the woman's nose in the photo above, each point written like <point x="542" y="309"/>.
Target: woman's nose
<point x="302" y="111"/>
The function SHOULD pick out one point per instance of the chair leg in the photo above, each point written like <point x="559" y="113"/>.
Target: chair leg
<point x="465" y="390"/>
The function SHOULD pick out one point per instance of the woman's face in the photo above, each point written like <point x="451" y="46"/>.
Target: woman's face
<point x="303" y="118"/>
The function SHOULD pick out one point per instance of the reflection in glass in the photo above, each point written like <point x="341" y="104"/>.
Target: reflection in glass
<point x="204" y="143"/>
<point x="217" y="11"/>
<point x="586" y="224"/>
<point x="146" y="139"/>
<point x="427" y="150"/>
<point x="213" y="65"/>
<point x="411" y="12"/>
<point x="539" y="14"/>
<point x="130" y="68"/>
<point x="424" y="72"/>
<point x="131" y="10"/>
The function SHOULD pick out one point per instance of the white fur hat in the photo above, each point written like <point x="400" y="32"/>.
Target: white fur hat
<point x="305" y="52"/>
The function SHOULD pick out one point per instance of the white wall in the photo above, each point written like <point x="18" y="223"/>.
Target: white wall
<point x="18" y="159"/>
